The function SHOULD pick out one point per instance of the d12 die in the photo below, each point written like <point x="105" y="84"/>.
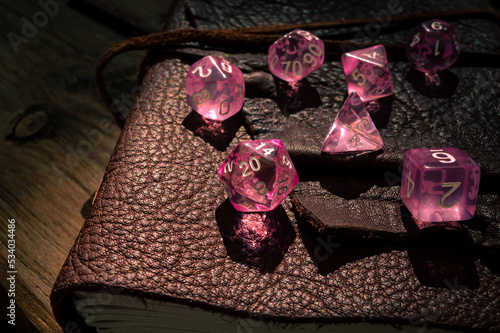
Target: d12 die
<point x="433" y="46"/>
<point x="296" y="55"/>
<point x="352" y="130"/>
<point x="215" y="88"/>
<point x="367" y="73"/>
<point x="440" y="184"/>
<point x="258" y="175"/>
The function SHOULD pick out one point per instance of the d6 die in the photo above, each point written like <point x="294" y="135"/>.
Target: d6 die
<point x="258" y="175"/>
<point x="215" y="88"/>
<point x="440" y="184"/>
<point x="433" y="46"/>
<point x="367" y="73"/>
<point x="295" y="55"/>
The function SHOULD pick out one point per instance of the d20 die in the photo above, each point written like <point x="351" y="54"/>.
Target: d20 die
<point x="215" y="88"/>
<point x="258" y="175"/>
<point x="433" y="46"/>
<point x="295" y="55"/>
<point x="352" y="130"/>
<point x="367" y="73"/>
<point x="440" y="184"/>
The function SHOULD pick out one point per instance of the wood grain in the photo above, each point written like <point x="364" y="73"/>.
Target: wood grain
<point x="56" y="136"/>
<point x="146" y="17"/>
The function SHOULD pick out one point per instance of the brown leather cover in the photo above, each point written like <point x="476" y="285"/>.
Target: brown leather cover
<point x="341" y="249"/>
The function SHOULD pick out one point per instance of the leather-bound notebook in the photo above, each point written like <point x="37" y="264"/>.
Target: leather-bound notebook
<point x="163" y="249"/>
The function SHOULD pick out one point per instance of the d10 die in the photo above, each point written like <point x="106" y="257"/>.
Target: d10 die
<point x="433" y="46"/>
<point x="258" y="175"/>
<point x="295" y="55"/>
<point x="367" y="73"/>
<point x="215" y="88"/>
<point x="440" y="184"/>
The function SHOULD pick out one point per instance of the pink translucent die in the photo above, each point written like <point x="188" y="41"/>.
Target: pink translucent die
<point x="440" y="184"/>
<point x="433" y="46"/>
<point x="295" y="55"/>
<point x="258" y="175"/>
<point x="367" y="73"/>
<point x="215" y="88"/>
<point x="352" y="130"/>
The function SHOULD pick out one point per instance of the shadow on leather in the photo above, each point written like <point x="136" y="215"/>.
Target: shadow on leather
<point x="297" y="97"/>
<point x="330" y="252"/>
<point x="380" y="111"/>
<point x="436" y="263"/>
<point x="349" y="161"/>
<point x="218" y="134"/>
<point x="87" y="205"/>
<point x="492" y="261"/>
<point x="485" y="226"/>
<point x="446" y="265"/>
<point x="258" y="240"/>
<point x="348" y="187"/>
<point x="447" y="86"/>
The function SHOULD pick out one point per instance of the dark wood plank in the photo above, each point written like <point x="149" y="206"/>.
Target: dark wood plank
<point x="56" y="137"/>
<point x="144" y="17"/>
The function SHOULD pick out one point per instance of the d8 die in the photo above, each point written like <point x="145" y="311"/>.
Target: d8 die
<point x="433" y="46"/>
<point x="440" y="184"/>
<point x="258" y="175"/>
<point x="295" y="55"/>
<point x="215" y="88"/>
<point x="367" y="73"/>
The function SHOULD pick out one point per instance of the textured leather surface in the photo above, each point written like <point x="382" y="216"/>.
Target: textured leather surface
<point x="344" y="249"/>
<point x="463" y="113"/>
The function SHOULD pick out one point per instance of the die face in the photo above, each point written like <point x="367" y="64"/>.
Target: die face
<point x="367" y="73"/>
<point x="296" y="55"/>
<point x="215" y="88"/>
<point x="433" y="46"/>
<point x="440" y="184"/>
<point x="258" y="175"/>
<point x="352" y="130"/>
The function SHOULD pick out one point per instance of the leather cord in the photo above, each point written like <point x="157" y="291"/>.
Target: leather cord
<point x="262" y="37"/>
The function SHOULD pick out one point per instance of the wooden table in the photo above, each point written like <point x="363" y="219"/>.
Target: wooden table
<point x="56" y="135"/>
